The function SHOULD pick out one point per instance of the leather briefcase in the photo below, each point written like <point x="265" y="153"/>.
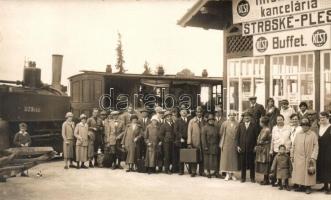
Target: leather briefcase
<point x="188" y="155"/>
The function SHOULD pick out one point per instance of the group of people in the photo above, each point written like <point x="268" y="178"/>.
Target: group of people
<point x="279" y="143"/>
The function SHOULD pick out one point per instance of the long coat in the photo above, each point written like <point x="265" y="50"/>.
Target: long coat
<point x="152" y="139"/>
<point x="305" y="148"/>
<point x="247" y="141"/>
<point x="262" y="149"/>
<point x="113" y="129"/>
<point x="129" y="143"/>
<point x="282" y="166"/>
<point x="194" y="134"/>
<point x="228" y="145"/>
<point x="210" y="145"/>
<point x="81" y="133"/>
<point x="68" y="139"/>
<point x="324" y="157"/>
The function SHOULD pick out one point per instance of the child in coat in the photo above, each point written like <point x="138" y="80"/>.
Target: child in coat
<point x="282" y="166"/>
<point x="22" y="139"/>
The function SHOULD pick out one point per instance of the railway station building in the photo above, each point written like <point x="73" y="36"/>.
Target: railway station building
<point x="272" y="48"/>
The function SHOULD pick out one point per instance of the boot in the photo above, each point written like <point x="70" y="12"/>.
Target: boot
<point x="308" y="190"/>
<point x="78" y="166"/>
<point x="91" y="164"/>
<point x="83" y="166"/>
<point x="265" y="180"/>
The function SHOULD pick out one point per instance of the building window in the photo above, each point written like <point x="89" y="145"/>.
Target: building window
<point x="245" y="79"/>
<point x="326" y="81"/>
<point x="292" y="78"/>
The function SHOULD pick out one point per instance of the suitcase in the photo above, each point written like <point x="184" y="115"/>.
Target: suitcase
<point x="188" y="155"/>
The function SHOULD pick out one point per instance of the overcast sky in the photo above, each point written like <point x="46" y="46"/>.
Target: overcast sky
<point x="85" y="32"/>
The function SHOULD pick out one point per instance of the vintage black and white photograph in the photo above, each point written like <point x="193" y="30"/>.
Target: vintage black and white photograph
<point x="165" y="99"/>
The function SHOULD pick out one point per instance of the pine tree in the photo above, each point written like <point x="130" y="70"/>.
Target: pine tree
<point x="120" y="59"/>
<point x="147" y="68"/>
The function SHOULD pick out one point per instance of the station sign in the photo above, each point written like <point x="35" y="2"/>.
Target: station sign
<point x="313" y="38"/>
<point x="290" y="22"/>
<point x="254" y="10"/>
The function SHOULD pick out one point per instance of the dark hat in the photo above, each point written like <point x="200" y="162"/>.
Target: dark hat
<point x="247" y="113"/>
<point x="133" y="117"/>
<point x="303" y="104"/>
<point x="285" y="101"/>
<point x="167" y="113"/>
<point x="252" y="97"/>
<point x="23" y="125"/>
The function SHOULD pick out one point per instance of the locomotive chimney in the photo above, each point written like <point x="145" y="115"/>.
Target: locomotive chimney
<point x="57" y="69"/>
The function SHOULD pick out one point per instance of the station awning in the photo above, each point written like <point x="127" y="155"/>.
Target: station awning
<point x="208" y="14"/>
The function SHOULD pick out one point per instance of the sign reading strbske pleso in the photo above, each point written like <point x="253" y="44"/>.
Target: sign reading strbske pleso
<point x="253" y="10"/>
<point x="314" y="38"/>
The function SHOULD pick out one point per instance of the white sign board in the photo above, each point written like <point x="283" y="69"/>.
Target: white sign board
<point x="253" y="10"/>
<point x="290" y="22"/>
<point x="314" y="38"/>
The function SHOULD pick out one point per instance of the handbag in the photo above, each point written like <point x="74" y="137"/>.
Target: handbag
<point x="311" y="168"/>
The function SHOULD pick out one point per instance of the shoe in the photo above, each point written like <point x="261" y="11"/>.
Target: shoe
<point x="308" y="191"/>
<point x="193" y="175"/>
<point x="84" y="167"/>
<point x="181" y="173"/>
<point x="90" y="165"/>
<point x="227" y="177"/>
<point x="128" y="170"/>
<point x="264" y="183"/>
<point x="287" y="188"/>
<point x="24" y="175"/>
<point x="242" y="180"/>
<point x="209" y="176"/>
<point x="280" y="188"/>
<point x="253" y="181"/>
<point x="119" y="167"/>
<point x="66" y="167"/>
<point x="78" y="167"/>
<point x="72" y="166"/>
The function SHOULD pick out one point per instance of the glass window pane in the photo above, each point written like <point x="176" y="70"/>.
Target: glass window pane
<point x="295" y="64"/>
<point x="256" y="67"/>
<point x="306" y="84"/>
<point x="244" y="70"/>
<point x="303" y="63"/>
<point x="327" y="92"/>
<point x="310" y="66"/>
<point x="275" y="65"/>
<point x="234" y="94"/>
<point x="281" y="65"/>
<point x="250" y="67"/>
<point x="262" y="67"/>
<point x="288" y="64"/>
<point x="327" y="61"/>
<point x="259" y="90"/>
<point x="292" y="85"/>
<point x="278" y="84"/>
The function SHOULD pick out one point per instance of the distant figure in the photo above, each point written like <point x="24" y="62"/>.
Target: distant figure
<point x="256" y="109"/>
<point x="95" y="126"/>
<point x="272" y="112"/>
<point x="286" y="111"/>
<point x="22" y="139"/>
<point x="167" y="136"/>
<point x="68" y="128"/>
<point x="153" y="140"/>
<point x="81" y="134"/>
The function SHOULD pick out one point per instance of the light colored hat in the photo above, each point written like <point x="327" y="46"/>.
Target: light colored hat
<point x="199" y="109"/>
<point x="218" y="108"/>
<point x="103" y="112"/>
<point x="155" y="118"/>
<point x="69" y="114"/>
<point x="158" y="109"/>
<point x="82" y="116"/>
<point x="167" y="113"/>
<point x="23" y="125"/>
<point x="115" y="112"/>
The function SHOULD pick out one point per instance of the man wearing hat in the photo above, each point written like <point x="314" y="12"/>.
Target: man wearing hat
<point x="248" y="132"/>
<point x="115" y="130"/>
<point x="286" y="111"/>
<point x="194" y="139"/>
<point x="95" y="126"/>
<point x="144" y="121"/>
<point x="257" y="110"/>
<point x="125" y="117"/>
<point x="167" y="136"/>
<point x="180" y="129"/>
<point x="159" y="113"/>
<point x="219" y="120"/>
<point x="68" y="128"/>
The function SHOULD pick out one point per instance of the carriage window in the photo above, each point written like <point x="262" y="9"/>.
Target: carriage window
<point x="75" y="91"/>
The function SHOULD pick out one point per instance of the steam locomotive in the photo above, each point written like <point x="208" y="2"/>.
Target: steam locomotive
<point x="40" y="105"/>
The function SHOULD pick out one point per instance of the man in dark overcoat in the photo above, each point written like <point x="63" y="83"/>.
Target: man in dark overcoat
<point x="257" y="110"/>
<point x="247" y="136"/>
<point x="180" y="128"/>
<point x="167" y="138"/>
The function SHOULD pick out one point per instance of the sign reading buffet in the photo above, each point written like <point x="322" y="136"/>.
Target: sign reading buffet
<point x="284" y="26"/>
